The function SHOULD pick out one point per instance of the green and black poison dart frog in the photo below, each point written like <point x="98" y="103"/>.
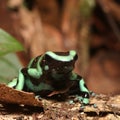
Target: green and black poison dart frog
<point x="52" y="73"/>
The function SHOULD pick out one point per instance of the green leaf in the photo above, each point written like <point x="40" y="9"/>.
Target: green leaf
<point x="8" y="43"/>
<point x="9" y="67"/>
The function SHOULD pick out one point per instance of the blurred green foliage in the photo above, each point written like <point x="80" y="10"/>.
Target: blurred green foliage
<point x="9" y="63"/>
<point x="8" y="43"/>
<point x="86" y="7"/>
<point x="9" y="67"/>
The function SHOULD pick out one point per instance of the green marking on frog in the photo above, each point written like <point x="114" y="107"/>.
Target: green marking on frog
<point x="35" y="72"/>
<point x="46" y="67"/>
<point x="73" y="76"/>
<point x="70" y="57"/>
<point x="37" y="88"/>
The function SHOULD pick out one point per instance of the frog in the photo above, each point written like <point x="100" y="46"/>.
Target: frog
<point x="51" y="73"/>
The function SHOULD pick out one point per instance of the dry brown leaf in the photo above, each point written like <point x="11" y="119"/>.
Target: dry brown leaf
<point x="13" y="96"/>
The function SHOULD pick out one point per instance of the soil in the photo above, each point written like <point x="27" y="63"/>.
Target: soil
<point x="108" y="108"/>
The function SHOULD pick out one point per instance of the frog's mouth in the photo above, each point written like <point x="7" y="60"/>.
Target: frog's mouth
<point x="62" y="71"/>
<point x="60" y="74"/>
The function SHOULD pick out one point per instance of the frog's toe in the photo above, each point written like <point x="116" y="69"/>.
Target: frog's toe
<point x="95" y="105"/>
<point x="82" y="100"/>
<point x="77" y="98"/>
<point x="92" y="94"/>
<point x="85" y="101"/>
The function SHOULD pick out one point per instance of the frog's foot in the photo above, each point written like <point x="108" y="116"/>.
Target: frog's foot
<point x="80" y="99"/>
<point x="83" y="101"/>
<point x="93" y="105"/>
<point x="92" y="94"/>
<point x="83" y="106"/>
<point x="12" y="83"/>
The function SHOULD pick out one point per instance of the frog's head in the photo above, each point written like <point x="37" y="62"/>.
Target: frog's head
<point x="61" y="62"/>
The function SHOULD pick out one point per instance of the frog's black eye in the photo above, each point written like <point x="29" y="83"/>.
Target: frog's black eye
<point x="76" y="57"/>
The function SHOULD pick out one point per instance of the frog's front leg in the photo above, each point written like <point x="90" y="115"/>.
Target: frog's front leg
<point x="35" y="72"/>
<point x="18" y="83"/>
<point x="84" y="98"/>
<point x="84" y="91"/>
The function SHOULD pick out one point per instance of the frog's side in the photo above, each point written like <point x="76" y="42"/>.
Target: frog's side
<point x="51" y="72"/>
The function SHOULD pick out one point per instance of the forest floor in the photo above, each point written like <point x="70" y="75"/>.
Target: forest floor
<point x="108" y="108"/>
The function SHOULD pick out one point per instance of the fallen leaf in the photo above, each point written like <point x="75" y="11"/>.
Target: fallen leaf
<point x="13" y="96"/>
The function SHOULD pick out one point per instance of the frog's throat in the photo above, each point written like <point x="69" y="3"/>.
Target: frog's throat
<point x="72" y="54"/>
